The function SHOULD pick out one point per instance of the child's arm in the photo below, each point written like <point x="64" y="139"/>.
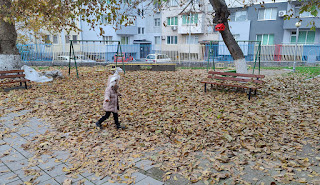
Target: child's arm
<point x="107" y="95"/>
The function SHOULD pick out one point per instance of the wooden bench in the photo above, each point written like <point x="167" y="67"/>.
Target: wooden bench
<point x="248" y="81"/>
<point x="13" y="76"/>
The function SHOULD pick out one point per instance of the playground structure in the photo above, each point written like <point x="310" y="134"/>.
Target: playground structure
<point x="73" y="55"/>
<point x="125" y="57"/>
<point x="216" y="51"/>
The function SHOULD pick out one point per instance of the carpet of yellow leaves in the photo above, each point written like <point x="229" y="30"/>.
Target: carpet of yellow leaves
<point x="171" y="121"/>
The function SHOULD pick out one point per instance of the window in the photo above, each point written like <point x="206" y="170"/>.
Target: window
<point x="173" y="3"/>
<point x="266" y="39"/>
<point x="186" y="19"/>
<point x="107" y="38"/>
<point x="305" y="37"/>
<point x="130" y="21"/>
<point x="238" y="16"/>
<point x="172" y="39"/>
<point x="192" y="40"/>
<point x="55" y="39"/>
<point x="140" y="12"/>
<point x="157" y="22"/>
<point x="75" y="38"/>
<point x="267" y="14"/>
<point x="172" y="21"/>
<point x="140" y="30"/>
<point x="67" y="39"/>
<point x="157" y="40"/>
<point x="124" y="40"/>
<point x="47" y="39"/>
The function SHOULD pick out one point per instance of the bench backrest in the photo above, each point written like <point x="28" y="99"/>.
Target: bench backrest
<point x="233" y="76"/>
<point x="12" y="74"/>
<point x="236" y="74"/>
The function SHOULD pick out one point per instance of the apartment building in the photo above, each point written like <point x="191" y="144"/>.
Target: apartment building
<point x="185" y="25"/>
<point x="181" y="29"/>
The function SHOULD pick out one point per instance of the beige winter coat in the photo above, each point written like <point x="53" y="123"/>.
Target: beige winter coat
<point x="112" y="95"/>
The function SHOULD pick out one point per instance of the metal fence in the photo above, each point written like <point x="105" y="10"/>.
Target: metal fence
<point x="102" y="52"/>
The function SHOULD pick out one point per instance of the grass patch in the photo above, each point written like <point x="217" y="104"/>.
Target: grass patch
<point x="192" y="68"/>
<point x="309" y="71"/>
<point x="43" y="67"/>
<point x="274" y="68"/>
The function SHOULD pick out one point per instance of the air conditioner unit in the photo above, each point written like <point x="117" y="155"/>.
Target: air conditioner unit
<point x="282" y="13"/>
<point x="163" y="37"/>
<point x="174" y="28"/>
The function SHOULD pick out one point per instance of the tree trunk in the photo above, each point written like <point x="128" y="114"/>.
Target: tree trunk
<point x="8" y="38"/>
<point x="221" y="16"/>
<point x="9" y="54"/>
<point x="8" y="33"/>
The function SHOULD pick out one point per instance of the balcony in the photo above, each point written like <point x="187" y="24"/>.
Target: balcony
<point x="128" y="30"/>
<point x="195" y="27"/>
<point x="290" y="24"/>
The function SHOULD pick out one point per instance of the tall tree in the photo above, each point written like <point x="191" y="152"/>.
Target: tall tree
<point x="221" y="16"/>
<point x="51" y="16"/>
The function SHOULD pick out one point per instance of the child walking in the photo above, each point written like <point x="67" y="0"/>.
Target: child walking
<point x="110" y="103"/>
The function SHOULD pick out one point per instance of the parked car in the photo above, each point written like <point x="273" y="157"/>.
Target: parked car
<point x="80" y="58"/>
<point x="125" y="57"/>
<point x="157" y="58"/>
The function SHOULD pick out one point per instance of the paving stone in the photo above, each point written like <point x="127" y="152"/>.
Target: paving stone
<point x="12" y="137"/>
<point x="4" y="148"/>
<point x="30" y="136"/>
<point x="23" y="177"/>
<point x="197" y="183"/>
<point x="33" y="123"/>
<point x="17" y="182"/>
<point x="50" y="182"/>
<point x="139" y="176"/>
<point x="25" y="130"/>
<point x="86" y="174"/>
<point x="47" y="162"/>
<point x="144" y="164"/>
<point x="56" y="170"/>
<point x="267" y="180"/>
<point x="61" y="155"/>
<point x="43" y="129"/>
<point x="155" y="173"/>
<point x="14" y="155"/>
<point x="15" y="140"/>
<point x="4" y="169"/>
<point x="149" y="181"/>
<point x="8" y="177"/>
<point x="25" y="153"/>
<point x="180" y="180"/>
<point x="41" y="179"/>
<point x="17" y="165"/>
<point x="96" y="180"/>
<point x="83" y="181"/>
<point x="61" y="178"/>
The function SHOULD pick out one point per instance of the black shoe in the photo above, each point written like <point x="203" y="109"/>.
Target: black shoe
<point x="99" y="125"/>
<point x="120" y="127"/>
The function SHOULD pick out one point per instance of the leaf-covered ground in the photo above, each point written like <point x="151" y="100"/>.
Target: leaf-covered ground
<point x="171" y="121"/>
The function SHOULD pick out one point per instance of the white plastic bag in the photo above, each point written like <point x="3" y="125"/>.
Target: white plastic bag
<point x="33" y="75"/>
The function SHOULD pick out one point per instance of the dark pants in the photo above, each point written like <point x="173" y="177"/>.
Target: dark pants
<point x="115" y="117"/>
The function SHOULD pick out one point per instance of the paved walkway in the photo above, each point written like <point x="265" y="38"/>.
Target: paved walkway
<point x="18" y="166"/>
